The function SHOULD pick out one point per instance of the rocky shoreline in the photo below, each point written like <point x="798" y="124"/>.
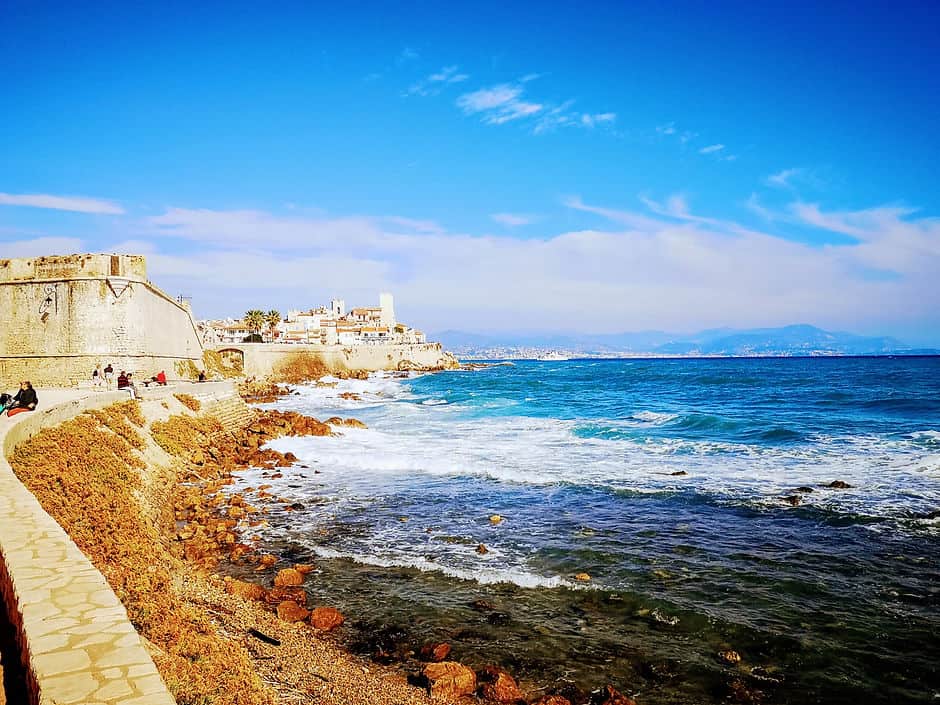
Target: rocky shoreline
<point x="151" y="511"/>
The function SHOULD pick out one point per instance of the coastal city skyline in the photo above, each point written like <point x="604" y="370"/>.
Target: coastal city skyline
<point x="618" y="170"/>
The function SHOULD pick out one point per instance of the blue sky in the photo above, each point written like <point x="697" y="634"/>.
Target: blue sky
<point x="498" y="166"/>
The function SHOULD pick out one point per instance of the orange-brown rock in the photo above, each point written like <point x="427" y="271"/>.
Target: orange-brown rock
<point x="244" y="590"/>
<point x="435" y="652"/>
<point x="450" y="680"/>
<point x="609" y="696"/>
<point x="290" y="611"/>
<point x="354" y="423"/>
<point x="304" y="568"/>
<point x="326" y="618"/>
<point x="499" y="686"/>
<point x="288" y="576"/>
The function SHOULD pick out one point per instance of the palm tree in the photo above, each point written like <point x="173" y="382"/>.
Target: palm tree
<point x="272" y="318"/>
<point x="254" y="319"/>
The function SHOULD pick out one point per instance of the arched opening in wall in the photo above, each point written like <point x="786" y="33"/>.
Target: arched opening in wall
<point x="233" y="358"/>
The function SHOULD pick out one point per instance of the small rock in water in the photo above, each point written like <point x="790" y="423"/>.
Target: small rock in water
<point x="664" y="618"/>
<point x="678" y="473"/>
<point x="839" y="485"/>
<point x="793" y="500"/>
<point x="729" y="656"/>
<point x="482" y="606"/>
<point x="738" y="692"/>
<point x="482" y="550"/>
<point x="435" y="652"/>
<point x="552" y="700"/>
<point x="498" y="619"/>
<point x="804" y="490"/>
<point x="662" y="574"/>
<point x="582" y="577"/>
<point x="402" y="519"/>
<point x="608" y="695"/>
<point x="495" y="519"/>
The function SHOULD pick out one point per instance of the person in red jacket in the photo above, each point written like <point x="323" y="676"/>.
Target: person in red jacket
<point x="161" y="378"/>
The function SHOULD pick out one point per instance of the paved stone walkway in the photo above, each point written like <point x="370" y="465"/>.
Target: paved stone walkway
<point x="80" y="646"/>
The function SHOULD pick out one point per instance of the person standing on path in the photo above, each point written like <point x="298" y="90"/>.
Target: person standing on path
<point x="97" y="378"/>
<point x="108" y="375"/>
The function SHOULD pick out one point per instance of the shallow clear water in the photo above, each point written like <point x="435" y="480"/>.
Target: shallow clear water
<point x="835" y="598"/>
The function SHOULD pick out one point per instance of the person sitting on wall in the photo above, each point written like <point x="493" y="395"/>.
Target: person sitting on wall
<point x="131" y="388"/>
<point x="4" y="400"/>
<point x="122" y="380"/>
<point x="202" y="376"/>
<point x="161" y="378"/>
<point x="25" y="400"/>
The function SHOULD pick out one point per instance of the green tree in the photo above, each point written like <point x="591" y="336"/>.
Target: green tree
<point x="272" y="318"/>
<point x="255" y="320"/>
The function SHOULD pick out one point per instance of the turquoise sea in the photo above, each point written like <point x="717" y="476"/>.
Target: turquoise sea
<point x="695" y="493"/>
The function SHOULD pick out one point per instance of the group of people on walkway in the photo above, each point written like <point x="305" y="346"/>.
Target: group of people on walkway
<point x="24" y="400"/>
<point x="125" y="380"/>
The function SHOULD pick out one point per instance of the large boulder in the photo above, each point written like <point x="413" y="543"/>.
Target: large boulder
<point x="450" y="680"/>
<point x="288" y="576"/>
<point x="499" y="686"/>
<point x="290" y="611"/>
<point x="326" y="618"/>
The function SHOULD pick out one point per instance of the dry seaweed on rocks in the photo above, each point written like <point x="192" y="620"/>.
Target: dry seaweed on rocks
<point x="189" y="401"/>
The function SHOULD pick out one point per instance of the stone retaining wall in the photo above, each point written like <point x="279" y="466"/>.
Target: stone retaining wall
<point x="73" y="634"/>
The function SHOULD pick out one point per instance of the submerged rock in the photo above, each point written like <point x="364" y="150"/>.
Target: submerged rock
<point x="839" y="485"/>
<point x="552" y="700"/>
<point x="482" y="606"/>
<point x="495" y="519"/>
<point x="804" y="490"/>
<point x="678" y="473"/>
<point x="435" y="652"/>
<point x="482" y="550"/>
<point x="608" y="695"/>
<point x="793" y="500"/>
<point x="582" y="577"/>
<point x="729" y="656"/>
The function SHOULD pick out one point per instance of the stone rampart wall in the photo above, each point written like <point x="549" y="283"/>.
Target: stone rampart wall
<point x="57" y="329"/>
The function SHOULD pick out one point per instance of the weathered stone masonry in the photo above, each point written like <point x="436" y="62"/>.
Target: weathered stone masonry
<point x="67" y="314"/>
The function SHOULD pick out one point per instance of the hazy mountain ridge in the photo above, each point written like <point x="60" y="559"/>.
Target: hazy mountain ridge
<point x="798" y="339"/>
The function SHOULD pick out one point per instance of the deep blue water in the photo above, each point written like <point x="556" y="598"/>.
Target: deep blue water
<point x="693" y="492"/>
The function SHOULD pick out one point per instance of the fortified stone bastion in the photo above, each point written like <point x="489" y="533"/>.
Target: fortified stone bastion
<point x="62" y="315"/>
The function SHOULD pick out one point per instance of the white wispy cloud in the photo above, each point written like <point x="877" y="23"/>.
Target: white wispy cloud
<point x="505" y="102"/>
<point x="782" y="178"/>
<point x="513" y="220"/>
<point x="78" y="204"/>
<point x="498" y="104"/>
<point x="41" y="246"/>
<point x="711" y="149"/>
<point x="589" y="120"/>
<point x="407" y="54"/>
<point x="670" y="268"/>
<point x="431" y="85"/>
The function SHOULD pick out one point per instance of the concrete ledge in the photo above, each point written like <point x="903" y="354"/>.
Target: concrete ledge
<point x="73" y="634"/>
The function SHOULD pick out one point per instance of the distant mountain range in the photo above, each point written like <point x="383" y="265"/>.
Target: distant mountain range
<point x="788" y="340"/>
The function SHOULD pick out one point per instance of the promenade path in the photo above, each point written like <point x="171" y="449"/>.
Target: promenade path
<point x="79" y="646"/>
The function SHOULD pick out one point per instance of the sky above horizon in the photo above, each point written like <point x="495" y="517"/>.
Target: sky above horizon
<point x="599" y="168"/>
